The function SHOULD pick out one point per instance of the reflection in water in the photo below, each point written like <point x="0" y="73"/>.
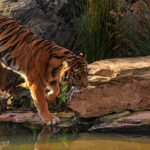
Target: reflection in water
<point x="43" y="138"/>
<point x="19" y="138"/>
<point x="4" y="144"/>
<point x="86" y="141"/>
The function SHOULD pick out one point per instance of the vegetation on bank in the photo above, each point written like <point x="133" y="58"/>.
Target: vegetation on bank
<point x="108" y="29"/>
<point x="96" y="29"/>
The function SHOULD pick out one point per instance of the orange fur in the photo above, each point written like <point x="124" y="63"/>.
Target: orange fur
<point x="43" y="64"/>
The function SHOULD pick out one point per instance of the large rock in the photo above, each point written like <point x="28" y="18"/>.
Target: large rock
<point x="115" y="85"/>
<point x="50" y="19"/>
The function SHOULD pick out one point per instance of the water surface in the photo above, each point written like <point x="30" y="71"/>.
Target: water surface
<point x="17" y="137"/>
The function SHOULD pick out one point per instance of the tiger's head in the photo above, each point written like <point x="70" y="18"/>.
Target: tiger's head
<point x="76" y="71"/>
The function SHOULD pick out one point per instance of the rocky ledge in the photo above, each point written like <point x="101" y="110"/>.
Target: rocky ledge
<point x="28" y="117"/>
<point x="116" y="86"/>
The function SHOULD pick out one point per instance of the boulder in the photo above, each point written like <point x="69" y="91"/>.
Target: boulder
<point x="115" y="85"/>
<point x="135" y="122"/>
<point x="52" y="20"/>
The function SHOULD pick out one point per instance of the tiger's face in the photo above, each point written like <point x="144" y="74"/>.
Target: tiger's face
<point x="77" y="72"/>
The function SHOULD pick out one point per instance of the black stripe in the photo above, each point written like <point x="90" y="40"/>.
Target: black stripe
<point x="44" y="45"/>
<point x="7" y="22"/>
<point x="19" y="33"/>
<point x="55" y="48"/>
<point x="8" y="50"/>
<point x="26" y="37"/>
<point x="2" y="42"/>
<point x="14" y="62"/>
<point x="20" y="44"/>
<point x="10" y="27"/>
<point x="29" y="37"/>
<point x="2" y="19"/>
<point x="32" y="58"/>
<point x="34" y="55"/>
<point x="56" y="56"/>
<point x="55" y="70"/>
<point x="3" y="28"/>
<point x="67" y="52"/>
<point x="9" y="61"/>
<point x="38" y="43"/>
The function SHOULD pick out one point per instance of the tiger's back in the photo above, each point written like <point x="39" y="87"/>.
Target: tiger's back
<point x="43" y="64"/>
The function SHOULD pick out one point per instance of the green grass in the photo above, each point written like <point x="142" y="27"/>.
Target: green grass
<point x="96" y="29"/>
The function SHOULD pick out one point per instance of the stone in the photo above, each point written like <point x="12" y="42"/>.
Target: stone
<point x="124" y="85"/>
<point x="52" y="20"/>
<point x="134" y="121"/>
<point x="29" y="117"/>
<point x="112" y="117"/>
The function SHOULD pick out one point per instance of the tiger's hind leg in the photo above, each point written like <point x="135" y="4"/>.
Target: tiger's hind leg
<point x="39" y="97"/>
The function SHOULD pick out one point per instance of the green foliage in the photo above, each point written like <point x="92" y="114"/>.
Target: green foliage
<point x="63" y="95"/>
<point x="136" y="28"/>
<point x="61" y="100"/>
<point x="96" y="28"/>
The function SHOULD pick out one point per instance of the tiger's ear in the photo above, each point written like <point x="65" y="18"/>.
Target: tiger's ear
<point x="65" y="65"/>
<point x="82" y="54"/>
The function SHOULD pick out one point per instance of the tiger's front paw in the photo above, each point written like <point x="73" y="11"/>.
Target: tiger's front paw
<point x="54" y="121"/>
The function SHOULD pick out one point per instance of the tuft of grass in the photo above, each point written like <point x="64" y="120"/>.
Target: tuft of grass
<point x="96" y="28"/>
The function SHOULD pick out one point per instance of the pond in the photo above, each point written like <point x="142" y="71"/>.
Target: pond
<point x="18" y="137"/>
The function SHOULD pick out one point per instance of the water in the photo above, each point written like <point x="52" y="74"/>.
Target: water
<point x="17" y="137"/>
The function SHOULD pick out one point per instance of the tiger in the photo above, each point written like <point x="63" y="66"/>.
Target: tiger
<point x="43" y="64"/>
